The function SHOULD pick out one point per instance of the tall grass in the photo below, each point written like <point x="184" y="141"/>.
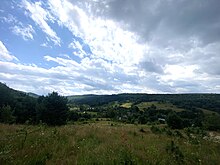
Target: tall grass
<point x="100" y="143"/>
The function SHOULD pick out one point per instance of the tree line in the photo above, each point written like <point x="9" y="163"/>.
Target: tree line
<point x="19" y="107"/>
<point x="186" y="101"/>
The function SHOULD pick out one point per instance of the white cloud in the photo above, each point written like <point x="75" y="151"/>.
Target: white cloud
<point x="107" y="39"/>
<point x="9" y="19"/>
<point x="66" y="15"/>
<point x="124" y="46"/>
<point x="178" y="72"/>
<point x="61" y="61"/>
<point x="77" y="49"/>
<point x="4" y="53"/>
<point x="69" y="77"/>
<point x="25" y="32"/>
<point x="46" y="45"/>
<point x="40" y="16"/>
<point x="18" y="28"/>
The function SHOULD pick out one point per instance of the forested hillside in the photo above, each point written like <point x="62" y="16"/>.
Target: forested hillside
<point x="21" y="107"/>
<point x="187" y="101"/>
<point x="16" y="106"/>
<point x="176" y="110"/>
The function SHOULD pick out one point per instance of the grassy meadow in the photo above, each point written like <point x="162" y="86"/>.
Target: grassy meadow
<point x="159" y="105"/>
<point x="105" y="142"/>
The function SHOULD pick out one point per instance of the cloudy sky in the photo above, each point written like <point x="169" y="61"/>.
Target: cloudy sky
<point x="110" y="46"/>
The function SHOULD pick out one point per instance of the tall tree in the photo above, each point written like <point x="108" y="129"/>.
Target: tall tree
<point x="53" y="109"/>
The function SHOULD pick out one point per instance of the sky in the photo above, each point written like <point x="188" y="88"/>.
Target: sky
<point x="79" y="47"/>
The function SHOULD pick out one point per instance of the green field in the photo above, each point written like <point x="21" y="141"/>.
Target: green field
<point x="166" y="106"/>
<point x="159" y="105"/>
<point x="104" y="142"/>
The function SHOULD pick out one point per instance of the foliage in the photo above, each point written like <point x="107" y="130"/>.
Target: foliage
<point x="212" y="122"/>
<point x="19" y="107"/>
<point x="6" y="115"/>
<point x="186" y="101"/>
<point x="52" y="109"/>
<point x="6" y="95"/>
<point x="24" y="109"/>
<point x="174" y="121"/>
<point x="22" y="106"/>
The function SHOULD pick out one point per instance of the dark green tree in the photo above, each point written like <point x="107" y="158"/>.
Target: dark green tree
<point x="6" y="95"/>
<point x="24" y="109"/>
<point x="212" y="122"/>
<point x="6" y="114"/>
<point x="73" y="116"/>
<point x="174" y="121"/>
<point x="52" y="109"/>
<point x="41" y="109"/>
<point x="134" y="109"/>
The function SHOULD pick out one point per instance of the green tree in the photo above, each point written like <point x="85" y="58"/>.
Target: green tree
<point x="135" y="109"/>
<point x="52" y="109"/>
<point x="40" y="110"/>
<point x="174" y="121"/>
<point x="24" y="109"/>
<point x="6" y="114"/>
<point x="212" y="122"/>
<point x="6" y="95"/>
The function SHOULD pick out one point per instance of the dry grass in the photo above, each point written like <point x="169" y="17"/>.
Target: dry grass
<point x="102" y="142"/>
<point x="126" y="105"/>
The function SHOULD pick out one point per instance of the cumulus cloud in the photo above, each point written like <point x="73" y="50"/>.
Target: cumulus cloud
<point x="68" y="78"/>
<point x="106" y="38"/>
<point x="126" y="46"/>
<point x="174" y="27"/>
<point x="207" y="58"/>
<point x="171" y="19"/>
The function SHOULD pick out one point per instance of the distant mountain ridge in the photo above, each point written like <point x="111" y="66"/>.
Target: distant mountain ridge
<point x="17" y="100"/>
<point x="32" y="95"/>
<point x="3" y="85"/>
<point x="186" y="101"/>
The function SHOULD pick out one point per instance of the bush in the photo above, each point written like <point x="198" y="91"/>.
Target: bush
<point x="212" y="122"/>
<point x="155" y="129"/>
<point x="174" y="121"/>
<point x="6" y="115"/>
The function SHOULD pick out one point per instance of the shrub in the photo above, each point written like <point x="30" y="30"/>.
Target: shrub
<point x="174" y="121"/>
<point x="6" y="115"/>
<point x="155" y="129"/>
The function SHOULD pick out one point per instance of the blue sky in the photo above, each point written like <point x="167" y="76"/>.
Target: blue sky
<point x="110" y="46"/>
